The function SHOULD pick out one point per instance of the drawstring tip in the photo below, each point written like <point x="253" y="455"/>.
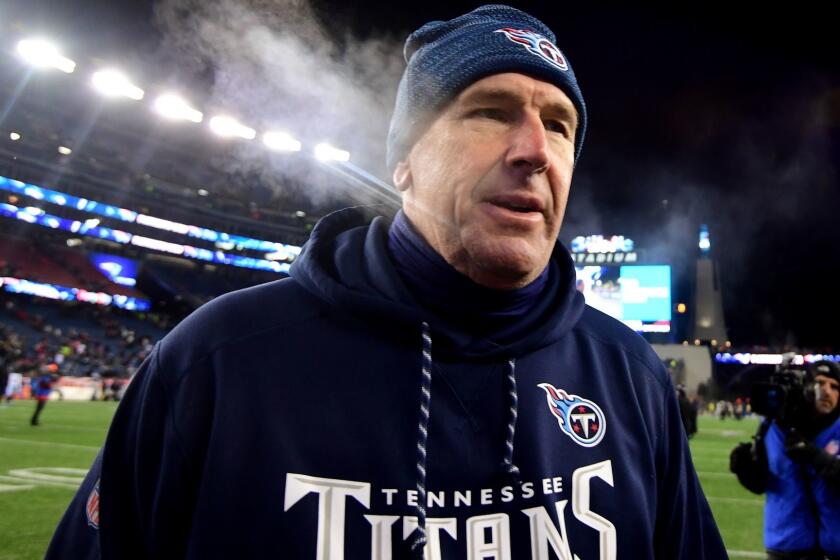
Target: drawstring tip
<point x="512" y="471"/>
<point x="418" y="545"/>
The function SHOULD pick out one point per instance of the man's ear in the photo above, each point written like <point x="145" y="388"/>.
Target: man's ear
<point x="402" y="176"/>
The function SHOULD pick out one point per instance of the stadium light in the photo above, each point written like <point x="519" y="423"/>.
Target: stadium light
<point x="705" y="242"/>
<point x="174" y="107"/>
<point x="14" y="136"/>
<point x="228" y="127"/>
<point x="325" y="152"/>
<point x="44" y="54"/>
<point x="64" y="150"/>
<point x="113" y="83"/>
<point x="281" y="141"/>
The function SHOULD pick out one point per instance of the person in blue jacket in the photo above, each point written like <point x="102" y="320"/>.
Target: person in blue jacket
<point x="42" y="387"/>
<point x="799" y="470"/>
<point x="430" y="387"/>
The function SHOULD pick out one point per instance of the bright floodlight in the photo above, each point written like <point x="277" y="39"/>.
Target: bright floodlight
<point x="281" y="142"/>
<point x="113" y="83"/>
<point x="325" y="152"/>
<point x="227" y="127"/>
<point x="14" y="136"/>
<point x="41" y="53"/>
<point x="64" y="150"/>
<point x="173" y="107"/>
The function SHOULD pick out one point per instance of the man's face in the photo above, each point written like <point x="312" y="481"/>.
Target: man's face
<point x="828" y="393"/>
<point x="487" y="184"/>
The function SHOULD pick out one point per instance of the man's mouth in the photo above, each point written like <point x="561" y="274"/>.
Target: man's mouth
<point x="520" y="203"/>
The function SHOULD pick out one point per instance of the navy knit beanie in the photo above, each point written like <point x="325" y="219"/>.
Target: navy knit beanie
<point x="445" y="57"/>
<point x="826" y="368"/>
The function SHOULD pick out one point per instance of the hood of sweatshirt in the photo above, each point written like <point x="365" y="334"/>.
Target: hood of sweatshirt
<point x="346" y="262"/>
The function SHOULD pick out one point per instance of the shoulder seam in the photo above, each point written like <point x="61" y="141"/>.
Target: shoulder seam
<point x="171" y="388"/>
<point x="170" y="403"/>
<point x="212" y="350"/>
<point x="628" y="351"/>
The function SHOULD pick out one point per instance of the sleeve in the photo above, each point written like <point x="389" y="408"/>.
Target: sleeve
<point x="749" y="462"/>
<point x="78" y="530"/>
<point x="685" y="527"/>
<point x="146" y="475"/>
<point x="828" y="468"/>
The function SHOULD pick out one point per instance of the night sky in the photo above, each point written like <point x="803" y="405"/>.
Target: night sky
<point x="720" y="113"/>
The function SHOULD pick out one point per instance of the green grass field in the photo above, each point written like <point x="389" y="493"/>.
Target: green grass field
<point x="39" y="468"/>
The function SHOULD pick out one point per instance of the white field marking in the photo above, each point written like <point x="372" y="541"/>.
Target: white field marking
<point x="745" y="501"/>
<point x="727" y="433"/>
<point x="10" y="484"/>
<point x="75" y="428"/>
<point x="745" y="554"/>
<point x="50" y="443"/>
<point x="709" y="459"/>
<point x="712" y="474"/>
<point x="711" y="445"/>
<point x="51" y="475"/>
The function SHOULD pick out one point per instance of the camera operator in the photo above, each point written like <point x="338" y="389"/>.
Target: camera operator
<point x="794" y="459"/>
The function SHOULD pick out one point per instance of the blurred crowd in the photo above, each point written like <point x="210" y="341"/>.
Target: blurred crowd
<point x="31" y="346"/>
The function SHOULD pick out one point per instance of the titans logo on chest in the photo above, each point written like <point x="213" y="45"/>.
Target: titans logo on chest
<point x="486" y="536"/>
<point x="580" y="419"/>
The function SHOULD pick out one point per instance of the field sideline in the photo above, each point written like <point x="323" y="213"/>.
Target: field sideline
<point x="40" y="467"/>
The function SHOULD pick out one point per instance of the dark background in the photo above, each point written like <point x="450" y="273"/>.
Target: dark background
<point x="720" y="113"/>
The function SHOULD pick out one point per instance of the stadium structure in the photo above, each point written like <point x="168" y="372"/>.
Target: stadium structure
<point x="124" y="206"/>
<point x="122" y="210"/>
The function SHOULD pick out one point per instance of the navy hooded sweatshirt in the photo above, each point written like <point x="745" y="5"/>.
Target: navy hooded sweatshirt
<point x="281" y="421"/>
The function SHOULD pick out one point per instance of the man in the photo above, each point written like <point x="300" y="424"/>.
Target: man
<point x="10" y="381"/>
<point x="41" y="389"/>
<point x="799" y="469"/>
<point x="433" y="389"/>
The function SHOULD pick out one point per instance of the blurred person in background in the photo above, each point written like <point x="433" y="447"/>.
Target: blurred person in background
<point x="6" y="357"/>
<point x="14" y="385"/>
<point x="42" y="386"/>
<point x="798" y="468"/>
<point x="688" y="412"/>
<point x="10" y="353"/>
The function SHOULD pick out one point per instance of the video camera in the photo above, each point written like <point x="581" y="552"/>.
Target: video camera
<point x="786" y="397"/>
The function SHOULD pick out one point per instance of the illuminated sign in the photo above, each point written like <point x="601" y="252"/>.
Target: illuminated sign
<point x="230" y="241"/>
<point x="63" y="293"/>
<point x="747" y="358"/>
<point x="604" y="258"/>
<point x="601" y="244"/>
<point x="637" y="295"/>
<point x="33" y="215"/>
<point x="119" y="270"/>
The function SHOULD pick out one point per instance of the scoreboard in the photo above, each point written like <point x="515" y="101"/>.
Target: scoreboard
<point x="639" y="295"/>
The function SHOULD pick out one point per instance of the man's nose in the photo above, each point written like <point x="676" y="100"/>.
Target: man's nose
<point x="528" y="150"/>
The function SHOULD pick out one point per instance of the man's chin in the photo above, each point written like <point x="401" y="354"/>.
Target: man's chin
<point x="503" y="264"/>
<point x="824" y="408"/>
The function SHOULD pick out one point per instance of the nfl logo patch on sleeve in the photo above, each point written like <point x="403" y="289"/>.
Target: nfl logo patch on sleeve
<point x="92" y="507"/>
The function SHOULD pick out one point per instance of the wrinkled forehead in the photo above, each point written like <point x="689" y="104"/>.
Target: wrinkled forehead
<point x="512" y="87"/>
<point x="825" y="379"/>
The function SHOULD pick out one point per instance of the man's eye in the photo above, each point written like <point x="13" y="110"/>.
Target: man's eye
<point x="556" y="126"/>
<point x="490" y="113"/>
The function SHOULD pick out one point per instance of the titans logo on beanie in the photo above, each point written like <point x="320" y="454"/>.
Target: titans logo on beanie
<point x="445" y="57"/>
